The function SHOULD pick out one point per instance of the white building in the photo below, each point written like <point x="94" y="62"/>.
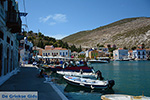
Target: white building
<point x="74" y="54"/>
<point x="63" y="52"/>
<point x="148" y="54"/>
<point x="25" y="52"/>
<point x="10" y="26"/>
<point x="120" y="54"/>
<point x="139" y="54"/>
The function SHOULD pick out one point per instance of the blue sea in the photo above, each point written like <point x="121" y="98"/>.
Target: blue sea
<point x="131" y="77"/>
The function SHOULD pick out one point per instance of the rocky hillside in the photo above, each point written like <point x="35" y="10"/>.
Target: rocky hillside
<point x="123" y="33"/>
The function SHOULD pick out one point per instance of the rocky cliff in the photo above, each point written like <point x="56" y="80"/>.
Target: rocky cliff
<point x="123" y="33"/>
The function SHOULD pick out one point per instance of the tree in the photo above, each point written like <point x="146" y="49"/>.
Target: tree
<point x="73" y="48"/>
<point x="30" y="32"/>
<point x="39" y="34"/>
<point x="29" y="38"/>
<point x="79" y="49"/>
<point x="40" y="44"/>
<point x="112" y="49"/>
<point x="125" y="48"/>
<point x="143" y="45"/>
<point x="133" y="48"/>
<point x="65" y="45"/>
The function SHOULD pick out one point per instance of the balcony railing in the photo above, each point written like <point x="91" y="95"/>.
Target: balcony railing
<point x="13" y="21"/>
<point x="2" y="14"/>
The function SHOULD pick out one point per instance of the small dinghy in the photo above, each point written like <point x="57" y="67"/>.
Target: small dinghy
<point x="89" y="83"/>
<point x="78" y="74"/>
<point x="123" y="97"/>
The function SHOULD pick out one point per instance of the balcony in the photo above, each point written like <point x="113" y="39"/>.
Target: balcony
<point x="2" y="14"/>
<point x="13" y="21"/>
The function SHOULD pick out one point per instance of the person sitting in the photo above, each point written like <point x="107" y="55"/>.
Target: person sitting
<point x="99" y="75"/>
<point x="42" y="74"/>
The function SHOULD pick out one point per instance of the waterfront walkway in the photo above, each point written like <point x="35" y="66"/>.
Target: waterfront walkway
<point x="27" y="80"/>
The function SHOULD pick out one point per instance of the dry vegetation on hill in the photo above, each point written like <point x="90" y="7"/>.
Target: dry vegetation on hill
<point x="123" y="33"/>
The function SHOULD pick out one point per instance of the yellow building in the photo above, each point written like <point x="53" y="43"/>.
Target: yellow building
<point x="93" y="54"/>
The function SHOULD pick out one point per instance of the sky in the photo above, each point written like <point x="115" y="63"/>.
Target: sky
<point x="61" y="18"/>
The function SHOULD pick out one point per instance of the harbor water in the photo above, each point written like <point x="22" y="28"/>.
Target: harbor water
<point x="131" y="77"/>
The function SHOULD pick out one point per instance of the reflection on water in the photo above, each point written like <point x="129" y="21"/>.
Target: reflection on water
<point x="131" y="77"/>
<point x="71" y="88"/>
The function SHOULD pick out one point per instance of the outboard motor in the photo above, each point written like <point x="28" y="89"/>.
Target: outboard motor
<point x="111" y="83"/>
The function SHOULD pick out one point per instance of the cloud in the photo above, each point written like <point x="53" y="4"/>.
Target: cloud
<point x="45" y="19"/>
<point x="60" y="18"/>
<point x="54" y="19"/>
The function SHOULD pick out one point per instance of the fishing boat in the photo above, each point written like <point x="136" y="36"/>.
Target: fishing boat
<point x="123" y="97"/>
<point x="89" y="83"/>
<point x="97" y="61"/>
<point x="78" y="74"/>
<point x="69" y="68"/>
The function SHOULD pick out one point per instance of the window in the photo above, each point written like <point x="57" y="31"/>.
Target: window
<point x="138" y="53"/>
<point x="1" y="35"/>
<point x="48" y="53"/>
<point x="66" y="53"/>
<point x="60" y="53"/>
<point x="44" y="54"/>
<point x="8" y="39"/>
<point x="12" y="43"/>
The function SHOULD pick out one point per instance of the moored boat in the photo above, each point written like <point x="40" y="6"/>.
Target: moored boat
<point x="78" y="74"/>
<point x="69" y="68"/>
<point x="97" y="61"/>
<point x="89" y="83"/>
<point x="123" y="97"/>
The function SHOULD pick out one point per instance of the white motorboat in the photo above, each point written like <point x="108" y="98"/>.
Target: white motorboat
<point x="89" y="83"/>
<point x="78" y="74"/>
<point x="123" y="97"/>
<point x="97" y="61"/>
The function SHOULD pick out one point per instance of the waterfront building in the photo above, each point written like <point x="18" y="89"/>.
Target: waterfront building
<point x="93" y="54"/>
<point x="58" y="51"/>
<point x="87" y="52"/>
<point x="130" y="54"/>
<point x="120" y="54"/>
<point x="10" y="26"/>
<point x="37" y="51"/>
<point x="103" y="49"/>
<point x="49" y="47"/>
<point x="26" y="51"/>
<point x="74" y="54"/>
<point x="148" y="54"/>
<point x="139" y="54"/>
<point x="101" y="53"/>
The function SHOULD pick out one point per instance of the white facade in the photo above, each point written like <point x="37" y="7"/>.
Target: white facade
<point x="120" y="54"/>
<point x="57" y="52"/>
<point x="139" y="54"/>
<point x="9" y="44"/>
<point x="74" y="54"/>
<point x="25" y="52"/>
<point x="87" y="53"/>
